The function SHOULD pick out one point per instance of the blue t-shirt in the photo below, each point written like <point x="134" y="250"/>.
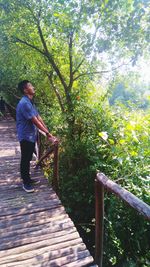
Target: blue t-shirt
<point x="24" y="113"/>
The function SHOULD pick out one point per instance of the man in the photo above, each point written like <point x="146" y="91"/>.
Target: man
<point x="28" y="120"/>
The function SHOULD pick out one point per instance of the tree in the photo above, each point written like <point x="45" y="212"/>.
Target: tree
<point x="68" y="35"/>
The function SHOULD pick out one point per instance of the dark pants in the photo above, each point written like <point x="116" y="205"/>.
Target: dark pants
<point x="27" y="149"/>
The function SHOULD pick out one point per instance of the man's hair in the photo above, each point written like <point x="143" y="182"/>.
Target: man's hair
<point x="22" y="85"/>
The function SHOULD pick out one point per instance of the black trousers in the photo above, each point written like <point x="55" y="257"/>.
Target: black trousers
<point x="27" y="149"/>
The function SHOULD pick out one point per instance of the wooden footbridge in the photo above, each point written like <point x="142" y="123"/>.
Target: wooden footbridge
<point x="35" y="229"/>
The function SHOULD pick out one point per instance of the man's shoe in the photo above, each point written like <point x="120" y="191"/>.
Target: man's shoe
<point x="28" y="188"/>
<point x="34" y="181"/>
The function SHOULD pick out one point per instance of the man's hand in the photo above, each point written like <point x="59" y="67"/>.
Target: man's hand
<point x="52" y="139"/>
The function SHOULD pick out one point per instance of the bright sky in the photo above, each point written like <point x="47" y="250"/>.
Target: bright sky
<point x="144" y="70"/>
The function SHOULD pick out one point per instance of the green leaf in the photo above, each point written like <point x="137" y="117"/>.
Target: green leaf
<point x="111" y="141"/>
<point x="103" y="135"/>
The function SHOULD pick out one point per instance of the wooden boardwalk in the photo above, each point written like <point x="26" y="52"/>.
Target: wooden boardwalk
<point x="34" y="228"/>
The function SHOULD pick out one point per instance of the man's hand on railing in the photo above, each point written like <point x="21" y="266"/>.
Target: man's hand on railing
<point x="54" y="140"/>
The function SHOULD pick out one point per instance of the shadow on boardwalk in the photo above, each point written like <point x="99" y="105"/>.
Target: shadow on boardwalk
<point x="34" y="228"/>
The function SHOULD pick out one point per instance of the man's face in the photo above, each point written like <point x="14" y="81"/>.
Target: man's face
<point x="29" y="89"/>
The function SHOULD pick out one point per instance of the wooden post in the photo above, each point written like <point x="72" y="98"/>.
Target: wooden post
<point x="50" y="150"/>
<point x="55" y="181"/>
<point x="39" y="145"/>
<point x="99" y="217"/>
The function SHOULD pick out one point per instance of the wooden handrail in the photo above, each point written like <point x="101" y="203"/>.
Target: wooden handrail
<point x="49" y="151"/>
<point x="11" y="109"/>
<point x="52" y="149"/>
<point x="128" y="197"/>
<point x="102" y="182"/>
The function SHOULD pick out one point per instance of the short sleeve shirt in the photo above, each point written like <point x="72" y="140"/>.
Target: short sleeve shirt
<point x="25" y="111"/>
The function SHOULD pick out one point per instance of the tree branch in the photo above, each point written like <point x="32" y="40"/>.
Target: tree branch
<point x="56" y="92"/>
<point x="89" y="73"/>
<point x="99" y="72"/>
<point x="52" y="62"/>
<point x="42" y="39"/>
<point x="28" y="44"/>
<point x="70" y="60"/>
<point x="78" y="66"/>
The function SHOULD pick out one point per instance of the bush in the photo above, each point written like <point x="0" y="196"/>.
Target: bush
<point x="116" y="142"/>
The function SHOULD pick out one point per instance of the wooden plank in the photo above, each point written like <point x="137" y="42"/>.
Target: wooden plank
<point x="28" y="210"/>
<point x="7" y="179"/>
<point x="15" y="241"/>
<point x="67" y="239"/>
<point x="34" y="233"/>
<point x="28" y="203"/>
<point x="23" y="200"/>
<point x="52" y="226"/>
<point x="31" y="215"/>
<point x="17" y="188"/>
<point x="13" y="220"/>
<point x="20" y="193"/>
<point x="31" y="224"/>
<point x="53" y="253"/>
<point x="49" y="224"/>
<point x="61" y="261"/>
<point x="29" y="248"/>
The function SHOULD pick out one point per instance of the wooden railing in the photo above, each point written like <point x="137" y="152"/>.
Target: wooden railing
<point x="11" y="110"/>
<point x="101" y="183"/>
<point x="52" y="149"/>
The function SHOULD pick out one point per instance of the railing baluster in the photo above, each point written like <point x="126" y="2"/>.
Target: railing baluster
<point x="39" y="145"/>
<point x="99" y="228"/>
<point x="53" y="149"/>
<point x="55" y="182"/>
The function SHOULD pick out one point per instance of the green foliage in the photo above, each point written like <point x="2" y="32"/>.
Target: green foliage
<point x="121" y="150"/>
<point x="130" y="91"/>
<point x="65" y="34"/>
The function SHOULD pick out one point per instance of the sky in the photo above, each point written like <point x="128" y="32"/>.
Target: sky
<point x="144" y="70"/>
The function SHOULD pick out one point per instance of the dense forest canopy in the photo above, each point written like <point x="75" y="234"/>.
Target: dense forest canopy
<point x="77" y="31"/>
<point x="81" y="55"/>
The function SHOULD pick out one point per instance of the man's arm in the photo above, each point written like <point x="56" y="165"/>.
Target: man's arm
<point x="41" y="120"/>
<point x="43" y="128"/>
